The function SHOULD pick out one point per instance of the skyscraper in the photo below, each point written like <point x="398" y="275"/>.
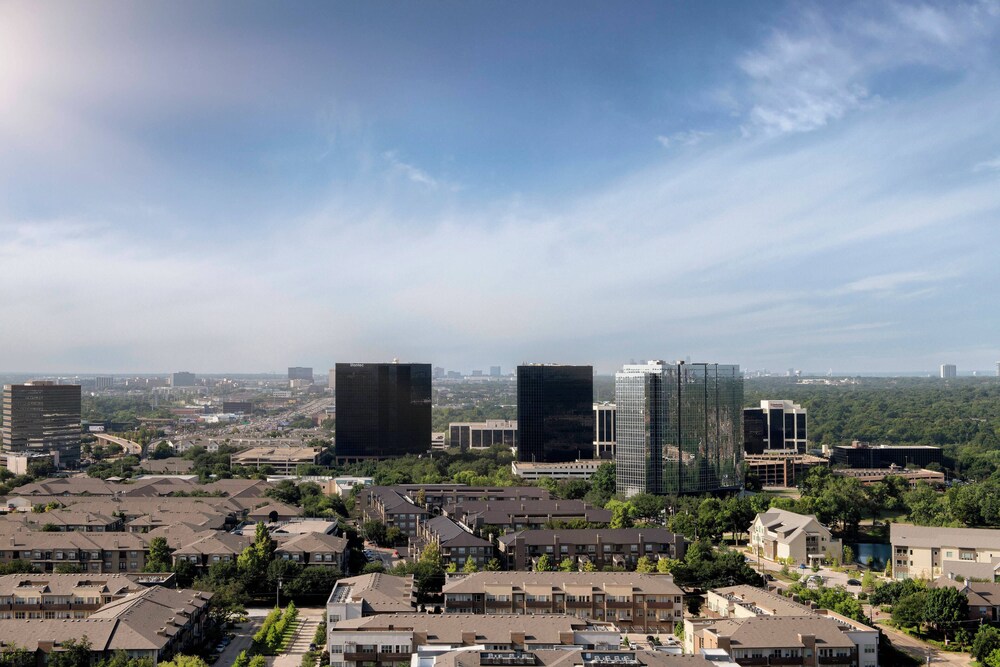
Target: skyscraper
<point x="494" y="371"/>
<point x="678" y="428"/>
<point x="776" y="426"/>
<point x="949" y="371"/>
<point x="555" y="414"/>
<point x="182" y="379"/>
<point x="40" y="417"/>
<point x="300" y="373"/>
<point x="604" y="430"/>
<point x="383" y="410"/>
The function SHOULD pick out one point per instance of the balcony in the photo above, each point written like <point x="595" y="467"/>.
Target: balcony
<point x="618" y="605"/>
<point x="659" y="605"/>
<point x="837" y="660"/>
<point x="781" y="660"/>
<point x="361" y="656"/>
<point x="748" y="662"/>
<point x="539" y="604"/>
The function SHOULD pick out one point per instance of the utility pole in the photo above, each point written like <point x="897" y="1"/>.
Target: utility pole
<point x="277" y="595"/>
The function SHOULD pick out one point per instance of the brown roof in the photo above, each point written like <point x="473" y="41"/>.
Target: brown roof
<point x="656" y="584"/>
<point x="782" y="631"/>
<point x="488" y="628"/>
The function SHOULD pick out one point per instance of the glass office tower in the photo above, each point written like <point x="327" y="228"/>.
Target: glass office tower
<point x="41" y="417"/>
<point x="383" y="410"/>
<point x="555" y="413"/>
<point x="679" y="428"/>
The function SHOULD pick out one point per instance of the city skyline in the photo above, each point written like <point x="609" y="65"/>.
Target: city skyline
<point x="240" y="186"/>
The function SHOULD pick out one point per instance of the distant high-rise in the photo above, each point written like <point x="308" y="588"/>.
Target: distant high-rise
<point x="774" y="426"/>
<point x="300" y="373"/>
<point x="678" y="428"/>
<point x="104" y="382"/>
<point x="604" y="430"/>
<point x="182" y="379"/>
<point x="949" y="371"/>
<point x="40" y="417"/>
<point x="331" y="381"/>
<point x="383" y="410"/>
<point x="998" y="369"/>
<point x="438" y="372"/>
<point x="494" y="371"/>
<point x="555" y="413"/>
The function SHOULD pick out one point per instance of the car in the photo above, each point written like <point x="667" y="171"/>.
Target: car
<point x="312" y="646"/>
<point x="802" y="566"/>
<point x="769" y="577"/>
<point x="853" y="582"/>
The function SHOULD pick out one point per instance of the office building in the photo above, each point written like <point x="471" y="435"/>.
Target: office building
<point x="42" y="417"/>
<point x="678" y="428"/>
<point x="529" y="470"/>
<point x="103" y="382"/>
<point x="438" y="372"/>
<point x="781" y="469"/>
<point x="555" y="416"/>
<point x="331" y="380"/>
<point x="998" y="369"/>
<point x="483" y="435"/>
<point x="182" y="379"/>
<point x="864" y="455"/>
<point x="604" y="430"/>
<point x="494" y="371"/>
<point x="775" y="426"/>
<point x="300" y="373"/>
<point x="383" y="410"/>
<point x="237" y="407"/>
<point x="949" y="371"/>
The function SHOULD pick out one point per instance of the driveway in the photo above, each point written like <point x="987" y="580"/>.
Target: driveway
<point x="244" y="637"/>
<point x="921" y="650"/>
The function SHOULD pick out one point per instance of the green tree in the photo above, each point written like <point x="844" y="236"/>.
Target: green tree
<point x="945" y="608"/>
<point x="431" y="555"/>
<point x="72" y="653"/>
<point x="621" y="514"/>
<point x="181" y="660"/>
<point x="567" y="565"/>
<point x="12" y="655"/>
<point x="252" y="563"/>
<point x="375" y="531"/>
<point x="470" y="566"/>
<point x="848" y="555"/>
<point x="159" y="559"/>
<point x="665" y="565"/>
<point x="588" y="566"/>
<point x="986" y="641"/>
<point x="543" y="564"/>
<point x="910" y="610"/>
<point x="645" y="565"/>
<point x="492" y="565"/>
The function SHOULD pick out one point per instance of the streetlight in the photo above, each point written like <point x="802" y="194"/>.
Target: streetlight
<point x="277" y="595"/>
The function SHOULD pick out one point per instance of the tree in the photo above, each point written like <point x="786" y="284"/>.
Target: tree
<point x="665" y="565"/>
<point x="909" y="610"/>
<point x="12" y="655"/>
<point x="645" y="565"/>
<point x="181" y="660"/>
<point x="588" y="566"/>
<point x="868" y="582"/>
<point x="159" y="559"/>
<point x="72" y="653"/>
<point x="255" y="558"/>
<point x="431" y="555"/>
<point x="543" y="564"/>
<point x="69" y="568"/>
<point x="470" y="566"/>
<point x="567" y="565"/>
<point x="373" y="567"/>
<point x="314" y="581"/>
<point x="986" y="641"/>
<point x="621" y="514"/>
<point x="285" y="491"/>
<point x="492" y="565"/>
<point x="848" y="555"/>
<point x="374" y="531"/>
<point x="945" y="608"/>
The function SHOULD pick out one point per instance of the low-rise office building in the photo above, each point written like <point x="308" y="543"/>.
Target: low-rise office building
<point x="483" y="435"/>
<point x="641" y="602"/>
<point x="282" y="460"/>
<point x="865" y="455"/>
<point x="528" y="470"/>
<point x="869" y="476"/>
<point x="602" y="547"/>
<point x="781" y="470"/>
<point x="780" y="534"/>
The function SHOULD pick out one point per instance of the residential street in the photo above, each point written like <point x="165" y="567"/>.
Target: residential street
<point x="919" y="649"/>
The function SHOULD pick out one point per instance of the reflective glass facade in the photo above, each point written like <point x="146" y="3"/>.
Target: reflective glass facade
<point x="383" y="410"/>
<point x="39" y="417"/>
<point x="679" y="428"/>
<point x="555" y="414"/>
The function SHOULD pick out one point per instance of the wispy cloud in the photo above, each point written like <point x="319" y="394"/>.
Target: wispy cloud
<point x="822" y="67"/>
<point x="685" y="138"/>
<point x="988" y="165"/>
<point x="410" y="172"/>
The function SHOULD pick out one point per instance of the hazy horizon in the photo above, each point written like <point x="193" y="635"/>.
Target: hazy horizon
<point x="252" y="184"/>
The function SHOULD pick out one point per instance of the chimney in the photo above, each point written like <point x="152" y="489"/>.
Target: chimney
<point x="517" y="638"/>
<point x="566" y="638"/>
<point x="468" y="637"/>
<point x="724" y="643"/>
<point x="808" y="641"/>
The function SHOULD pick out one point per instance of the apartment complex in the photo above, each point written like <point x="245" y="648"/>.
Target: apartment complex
<point x="678" y="428"/>
<point x="383" y="410"/>
<point x="390" y="640"/>
<point x="603" y="547"/>
<point x="518" y="515"/>
<point x="457" y="544"/>
<point x="369" y="595"/>
<point x="759" y="627"/>
<point x="780" y="534"/>
<point x="639" y="602"/>
<point x="555" y="416"/>
<point x="42" y="417"/>
<point x="564" y="657"/>
<point x="39" y="596"/>
<point x="926" y="552"/>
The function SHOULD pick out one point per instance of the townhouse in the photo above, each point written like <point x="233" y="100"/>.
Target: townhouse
<point x="602" y="547"/>
<point x="641" y="602"/>
<point x="566" y="657"/>
<point x="51" y="596"/>
<point x="519" y="515"/>
<point x="983" y="596"/>
<point x="314" y="549"/>
<point x="386" y="504"/>
<point x="457" y="544"/>
<point x="91" y="552"/>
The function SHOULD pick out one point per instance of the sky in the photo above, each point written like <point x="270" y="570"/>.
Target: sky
<point x="245" y="186"/>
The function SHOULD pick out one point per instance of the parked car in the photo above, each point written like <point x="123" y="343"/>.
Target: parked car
<point x="853" y="582"/>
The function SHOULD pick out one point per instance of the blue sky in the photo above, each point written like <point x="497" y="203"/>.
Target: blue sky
<point x="245" y="186"/>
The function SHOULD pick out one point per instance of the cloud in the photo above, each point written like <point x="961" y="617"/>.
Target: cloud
<point x="890" y="282"/>
<point x="988" y="165"/>
<point x="824" y="65"/>
<point x="410" y="172"/>
<point x="685" y="138"/>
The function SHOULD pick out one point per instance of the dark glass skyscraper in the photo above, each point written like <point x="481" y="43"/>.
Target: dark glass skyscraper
<point x="555" y="413"/>
<point x="383" y="410"/>
<point x="679" y="428"/>
<point x="41" y="417"/>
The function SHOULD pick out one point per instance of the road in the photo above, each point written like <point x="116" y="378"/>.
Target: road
<point x="242" y="640"/>
<point x="920" y="650"/>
